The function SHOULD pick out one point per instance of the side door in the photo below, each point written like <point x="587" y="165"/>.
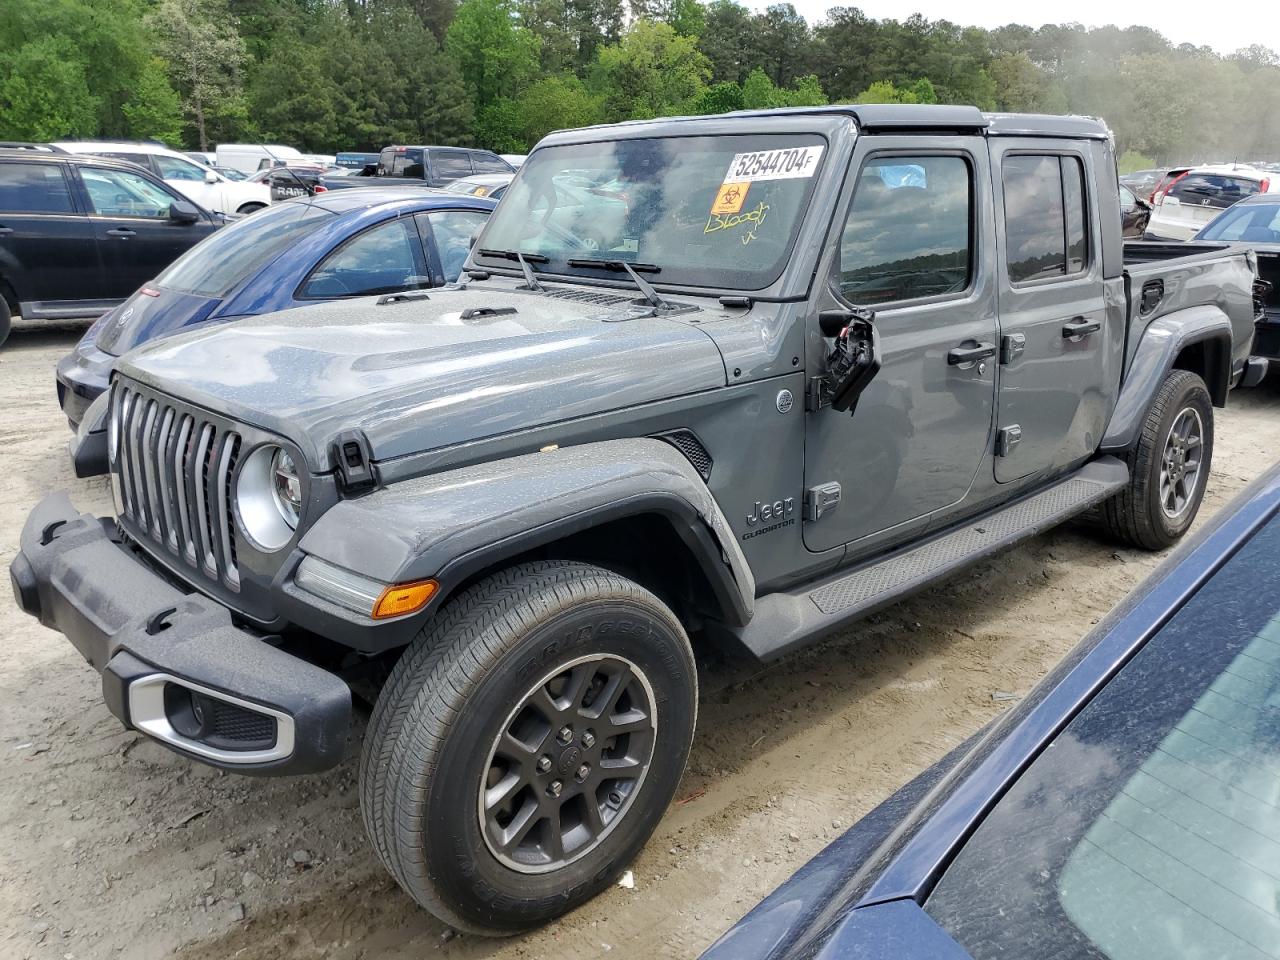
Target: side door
<point x="48" y="251"/>
<point x="448" y="236"/>
<point x="914" y="247"/>
<point x="386" y="258"/>
<point x="1054" y="403"/>
<point x="449" y="165"/>
<point x="131" y="220"/>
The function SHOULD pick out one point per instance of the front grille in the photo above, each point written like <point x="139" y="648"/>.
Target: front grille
<point x="174" y="474"/>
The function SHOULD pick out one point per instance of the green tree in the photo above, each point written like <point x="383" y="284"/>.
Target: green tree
<point x="806" y="93"/>
<point x="719" y="98"/>
<point x="495" y="53"/>
<point x="651" y="72"/>
<point x="198" y="38"/>
<point x="729" y="41"/>
<point x="759" y="92"/>
<point x="154" y="112"/>
<point x="45" y="95"/>
<point x="552" y="103"/>
<point x="884" y="91"/>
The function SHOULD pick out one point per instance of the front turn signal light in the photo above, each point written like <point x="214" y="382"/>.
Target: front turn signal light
<point x="402" y="598"/>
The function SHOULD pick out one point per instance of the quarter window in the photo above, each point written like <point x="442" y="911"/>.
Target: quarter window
<point x="453" y="232"/>
<point x="908" y="232"/>
<point x="407" y="164"/>
<point x="33" y="188"/>
<point x="1044" y="216"/>
<point x="488" y="163"/>
<point x="380" y="260"/>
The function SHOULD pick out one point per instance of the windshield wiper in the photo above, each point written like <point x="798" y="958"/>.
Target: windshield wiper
<point x="632" y="269"/>
<point x="524" y="259"/>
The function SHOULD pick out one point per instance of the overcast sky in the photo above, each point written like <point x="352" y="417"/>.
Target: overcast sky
<point x="1179" y="20"/>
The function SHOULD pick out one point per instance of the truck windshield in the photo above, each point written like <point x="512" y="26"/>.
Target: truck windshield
<point x="716" y="212"/>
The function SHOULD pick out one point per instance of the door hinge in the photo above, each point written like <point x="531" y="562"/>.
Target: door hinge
<point x="818" y="500"/>
<point x="817" y="394"/>
<point x="1007" y="438"/>
<point x="1011" y="346"/>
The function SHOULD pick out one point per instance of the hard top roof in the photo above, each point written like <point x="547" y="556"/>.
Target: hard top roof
<point x="874" y="118"/>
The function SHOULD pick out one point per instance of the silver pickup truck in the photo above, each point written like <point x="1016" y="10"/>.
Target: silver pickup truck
<point x="826" y="357"/>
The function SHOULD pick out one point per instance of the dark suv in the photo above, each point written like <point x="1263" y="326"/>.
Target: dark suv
<point x="79" y="234"/>
<point x="428" y="166"/>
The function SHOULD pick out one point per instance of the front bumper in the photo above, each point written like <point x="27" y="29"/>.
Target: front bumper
<point x="174" y="666"/>
<point x="82" y="375"/>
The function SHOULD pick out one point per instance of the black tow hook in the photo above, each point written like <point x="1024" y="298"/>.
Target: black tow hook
<point x="160" y="622"/>
<point x="46" y="535"/>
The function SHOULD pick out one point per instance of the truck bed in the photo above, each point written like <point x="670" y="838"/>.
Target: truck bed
<point x="1183" y="276"/>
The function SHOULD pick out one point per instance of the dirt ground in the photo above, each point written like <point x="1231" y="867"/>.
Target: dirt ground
<point x="112" y="847"/>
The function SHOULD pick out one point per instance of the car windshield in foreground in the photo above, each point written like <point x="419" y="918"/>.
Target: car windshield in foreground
<point x="215" y="266"/>
<point x="1246" y="222"/>
<point x="717" y="212"/>
<point x="1150" y="828"/>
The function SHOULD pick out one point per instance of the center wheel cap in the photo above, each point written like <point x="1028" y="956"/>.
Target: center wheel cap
<point x="569" y="761"/>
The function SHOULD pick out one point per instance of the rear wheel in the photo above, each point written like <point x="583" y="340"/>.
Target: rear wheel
<point x="527" y="744"/>
<point x="249" y="208"/>
<point x="6" y="321"/>
<point x="1169" y="467"/>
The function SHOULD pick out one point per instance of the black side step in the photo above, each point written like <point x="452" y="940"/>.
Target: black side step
<point x="784" y="621"/>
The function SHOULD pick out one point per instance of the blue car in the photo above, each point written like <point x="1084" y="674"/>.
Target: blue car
<point x="343" y="244"/>
<point x="1127" y="809"/>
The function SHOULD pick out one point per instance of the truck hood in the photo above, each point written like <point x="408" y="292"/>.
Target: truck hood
<point x="423" y="374"/>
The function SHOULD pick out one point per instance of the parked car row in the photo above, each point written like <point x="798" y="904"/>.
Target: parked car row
<point x="80" y="233"/>
<point x="739" y="381"/>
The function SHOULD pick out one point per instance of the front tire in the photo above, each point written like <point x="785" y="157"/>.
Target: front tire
<point x="249" y="208"/>
<point x="6" y="321"/>
<point x="1168" y="469"/>
<point x="527" y="744"/>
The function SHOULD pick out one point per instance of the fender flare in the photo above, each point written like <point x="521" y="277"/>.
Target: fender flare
<point x="451" y="525"/>
<point x="1162" y="342"/>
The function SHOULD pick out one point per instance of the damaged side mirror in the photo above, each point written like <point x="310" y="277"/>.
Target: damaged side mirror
<point x="855" y="356"/>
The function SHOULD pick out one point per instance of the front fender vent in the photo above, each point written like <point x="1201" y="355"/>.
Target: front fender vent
<point x="687" y="442"/>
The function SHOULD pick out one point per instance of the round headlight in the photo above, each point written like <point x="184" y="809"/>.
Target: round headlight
<point x="287" y="487"/>
<point x="269" y="497"/>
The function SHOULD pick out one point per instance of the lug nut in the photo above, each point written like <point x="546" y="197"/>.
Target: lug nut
<point x="565" y="735"/>
<point x="583" y="771"/>
<point x="555" y="787"/>
<point x="588" y="739"/>
<point x="544" y="764"/>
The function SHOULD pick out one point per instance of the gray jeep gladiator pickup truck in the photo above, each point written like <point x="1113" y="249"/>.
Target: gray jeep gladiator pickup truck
<point x="829" y="356"/>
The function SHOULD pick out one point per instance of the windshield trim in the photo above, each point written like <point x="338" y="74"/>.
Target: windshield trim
<point x="701" y="128"/>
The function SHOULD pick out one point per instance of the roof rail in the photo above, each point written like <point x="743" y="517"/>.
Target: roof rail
<point x="27" y="145"/>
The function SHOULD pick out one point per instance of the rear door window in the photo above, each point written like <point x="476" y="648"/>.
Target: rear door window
<point x="1148" y="828"/>
<point x="33" y="188"/>
<point x="1044" y="216"/>
<point x="407" y="163"/>
<point x="450" y="164"/>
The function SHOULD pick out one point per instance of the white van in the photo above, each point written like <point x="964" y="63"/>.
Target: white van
<point x="206" y="187"/>
<point x="252" y="157"/>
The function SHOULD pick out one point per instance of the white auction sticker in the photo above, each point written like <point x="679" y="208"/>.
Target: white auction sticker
<point x="788" y="163"/>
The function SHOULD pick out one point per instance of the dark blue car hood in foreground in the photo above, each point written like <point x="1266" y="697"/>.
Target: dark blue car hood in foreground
<point x="862" y="896"/>
<point x="150" y="313"/>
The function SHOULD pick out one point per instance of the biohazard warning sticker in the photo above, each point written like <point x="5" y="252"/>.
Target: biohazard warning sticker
<point x="788" y="163"/>
<point x="730" y="198"/>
